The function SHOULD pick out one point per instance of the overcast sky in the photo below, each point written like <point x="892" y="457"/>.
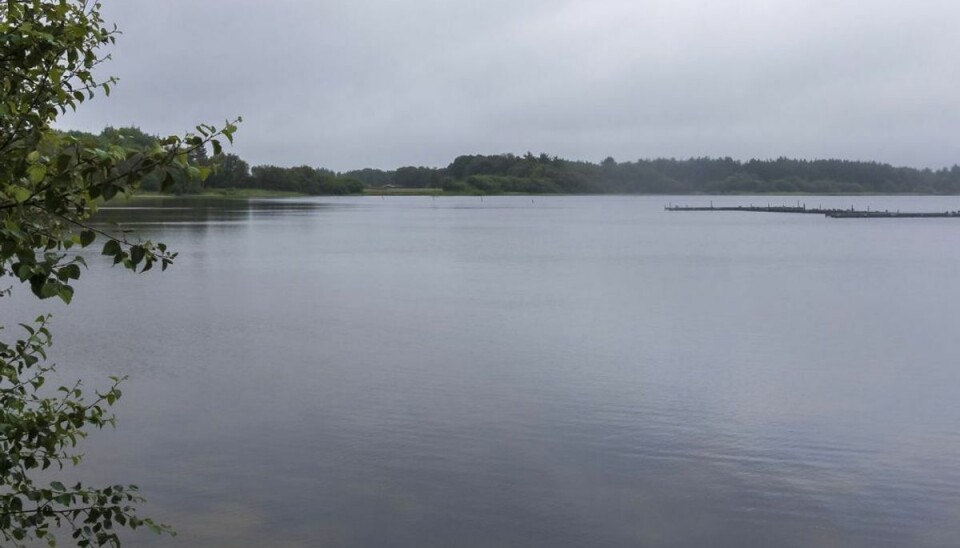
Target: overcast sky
<point x="383" y="83"/>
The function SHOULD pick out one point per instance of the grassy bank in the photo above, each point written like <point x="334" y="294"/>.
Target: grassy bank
<point x="403" y="192"/>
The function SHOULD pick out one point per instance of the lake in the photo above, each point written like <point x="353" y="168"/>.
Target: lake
<point x="529" y="372"/>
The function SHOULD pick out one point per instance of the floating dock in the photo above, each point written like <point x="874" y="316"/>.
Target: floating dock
<point x="832" y="213"/>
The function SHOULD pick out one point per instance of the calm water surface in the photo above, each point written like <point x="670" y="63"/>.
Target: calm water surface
<point x="546" y="372"/>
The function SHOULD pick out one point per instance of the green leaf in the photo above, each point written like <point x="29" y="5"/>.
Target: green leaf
<point x="65" y="293"/>
<point x="109" y="191"/>
<point x="70" y="272"/>
<point x="136" y="254"/>
<point x="49" y="289"/>
<point x="21" y="194"/>
<point x="36" y="173"/>
<point x="87" y="237"/>
<point x="167" y="182"/>
<point x="112" y="247"/>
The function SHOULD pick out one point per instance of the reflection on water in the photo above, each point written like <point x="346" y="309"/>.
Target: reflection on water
<point x="557" y="371"/>
<point x="199" y="211"/>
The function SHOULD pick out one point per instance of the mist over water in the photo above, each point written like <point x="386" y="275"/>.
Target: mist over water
<point x="517" y="371"/>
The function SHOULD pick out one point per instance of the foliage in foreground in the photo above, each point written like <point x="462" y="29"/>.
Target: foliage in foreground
<point x="50" y="185"/>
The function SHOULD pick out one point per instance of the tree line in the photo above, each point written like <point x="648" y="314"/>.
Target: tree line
<point x="544" y="174"/>
<point x="530" y="174"/>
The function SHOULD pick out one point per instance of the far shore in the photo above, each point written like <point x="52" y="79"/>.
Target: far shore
<point x="247" y="193"/>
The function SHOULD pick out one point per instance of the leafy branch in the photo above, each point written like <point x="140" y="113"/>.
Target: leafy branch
<point x="51" y="184"/>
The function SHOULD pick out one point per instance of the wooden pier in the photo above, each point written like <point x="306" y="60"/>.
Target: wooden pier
<point x="832" y="213"/>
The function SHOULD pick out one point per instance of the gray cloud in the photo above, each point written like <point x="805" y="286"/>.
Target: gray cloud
<point x="386" y="83"/>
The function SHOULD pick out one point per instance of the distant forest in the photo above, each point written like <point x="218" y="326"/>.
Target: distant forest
<point x="543" y="174"/>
